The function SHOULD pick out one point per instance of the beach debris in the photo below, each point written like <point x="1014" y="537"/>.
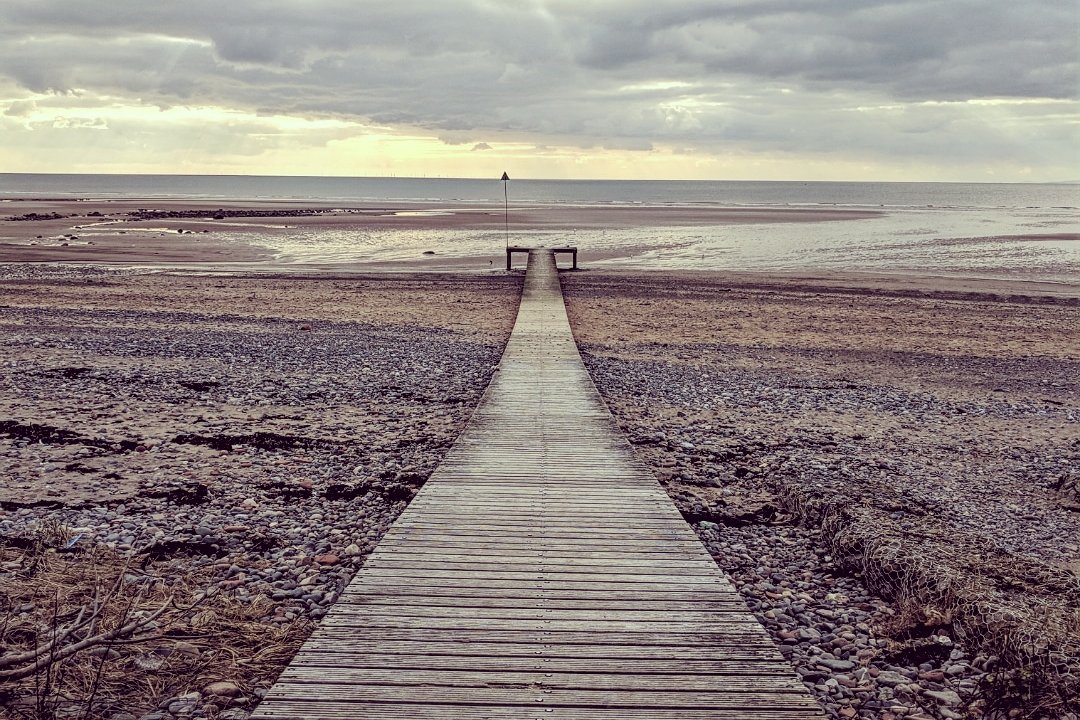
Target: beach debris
<point x="181" y="492"/>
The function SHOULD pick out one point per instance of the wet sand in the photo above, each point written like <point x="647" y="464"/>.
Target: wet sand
<point x="158" y="232"/>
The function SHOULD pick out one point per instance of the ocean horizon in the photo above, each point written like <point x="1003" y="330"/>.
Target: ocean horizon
<point x="733" y="193"/>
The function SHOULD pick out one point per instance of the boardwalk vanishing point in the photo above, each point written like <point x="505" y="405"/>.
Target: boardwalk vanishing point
<point x="541" y="572"/>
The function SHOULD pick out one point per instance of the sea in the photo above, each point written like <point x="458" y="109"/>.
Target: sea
<point x="1001" y="230"/>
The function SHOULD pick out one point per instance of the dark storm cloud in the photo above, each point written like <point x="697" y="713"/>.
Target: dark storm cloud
<point x="621" y="73"/>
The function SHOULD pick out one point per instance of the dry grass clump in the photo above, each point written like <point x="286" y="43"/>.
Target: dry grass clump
<point x="86" y="633"/>
<point x="1024" y="615"/>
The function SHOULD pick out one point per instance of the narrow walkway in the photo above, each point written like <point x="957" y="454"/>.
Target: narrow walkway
<point x="541" y="572"/>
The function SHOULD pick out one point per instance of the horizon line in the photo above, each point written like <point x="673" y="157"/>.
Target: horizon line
<point x="542" y="179"/>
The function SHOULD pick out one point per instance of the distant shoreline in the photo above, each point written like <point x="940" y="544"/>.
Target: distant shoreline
<point x="404" y="235"/>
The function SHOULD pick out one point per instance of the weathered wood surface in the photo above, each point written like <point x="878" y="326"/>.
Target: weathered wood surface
<point x="541" y="572"/>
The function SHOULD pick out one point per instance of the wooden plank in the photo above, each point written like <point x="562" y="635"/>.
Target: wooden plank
<point x="310" y="708"/>
<point x="545" y="678"/>
<point x="643" y="656"/>
<point x="547" y="697"/>
<point x="520" y="612"/>
<point x="364" y="582"/>
<point x="519" y="601"/>
<point x="599" y="567"/>
<point x="658" y="576"/>
<point x="614" y="623"/>
<point x="540" y="572"/>
<point x="492" y="662"/>
<point x="703" y="638"/>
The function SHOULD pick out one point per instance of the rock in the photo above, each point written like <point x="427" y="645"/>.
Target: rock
<point x="945" y="697"/>
<point x="184" y="704"/>
<point x="187" y="649"/>
<point x="327" y="559"/>
<point x="149" y="661"/>
<point x="891" y="678"/>
<point x="222" y="688"/>
<point x="249" y="504"/>
<point x="104" y="652"/>
<point x="836" y="665"/>
<point x="353" y="550"/>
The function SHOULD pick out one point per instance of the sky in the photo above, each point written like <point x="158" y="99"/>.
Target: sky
<point x="952" y="90"/>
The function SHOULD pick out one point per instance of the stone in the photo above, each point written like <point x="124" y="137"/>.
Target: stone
<point x="222" y="688"/>
<point x="185" y="648"/>
<point x="104" y="652"/>
<point x="891" y="678"/>
<point x="353" y="550"/>
<point x="945" y="697"/>
<point x="836" y="665"/>
<point x="327" y="559"/>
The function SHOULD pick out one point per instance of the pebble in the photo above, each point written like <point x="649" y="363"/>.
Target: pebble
<point x="222" y="688"/>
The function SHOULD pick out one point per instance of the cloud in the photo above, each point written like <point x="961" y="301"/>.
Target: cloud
<point x="480" y="146"/>
<point x="831" y="76"/>
<point x="20" y="108"/>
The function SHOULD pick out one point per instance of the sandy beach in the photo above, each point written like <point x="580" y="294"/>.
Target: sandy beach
<point x="882" y="462"/>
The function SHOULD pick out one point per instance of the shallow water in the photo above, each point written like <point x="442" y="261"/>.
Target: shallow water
<point x="1018" y="231"/>
<point x="1002" y="243"/>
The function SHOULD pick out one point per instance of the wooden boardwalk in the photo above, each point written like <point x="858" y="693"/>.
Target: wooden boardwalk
<point x="541" y="572"/>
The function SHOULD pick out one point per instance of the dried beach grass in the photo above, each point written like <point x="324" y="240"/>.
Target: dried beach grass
<point x="86" y="633"/>
<point x="1023" y="614"/>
